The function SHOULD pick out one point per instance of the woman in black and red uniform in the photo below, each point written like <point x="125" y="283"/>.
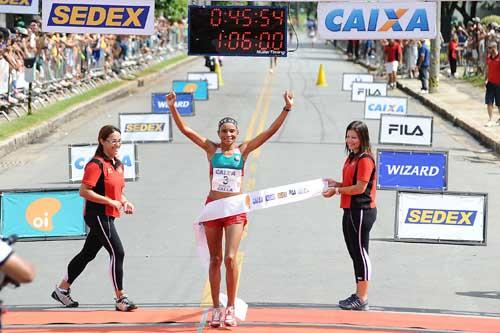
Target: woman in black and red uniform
<point x="102" y="187"/>
<point x="357" y="191"/>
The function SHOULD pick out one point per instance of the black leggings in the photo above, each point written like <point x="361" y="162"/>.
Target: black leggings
<point x="356" y="225"/>
<point x="102" y="233"/>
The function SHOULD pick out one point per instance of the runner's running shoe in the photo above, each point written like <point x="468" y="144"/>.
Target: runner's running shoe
<point x="64" y="297"/>
<point x="124" y="304"/>
<point x="230" y="319"/>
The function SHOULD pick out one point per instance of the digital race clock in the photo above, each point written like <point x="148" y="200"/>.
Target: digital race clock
<point x="258" y="31"/>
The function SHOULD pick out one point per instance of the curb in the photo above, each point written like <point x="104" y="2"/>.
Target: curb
<point x="33" y="134"/>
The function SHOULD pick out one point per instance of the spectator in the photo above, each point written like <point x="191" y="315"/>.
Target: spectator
<point x="492" y="83"/>
<point x="453" y="55"/>
<point x="424" y="61"/>
<point x="393" y="53"/>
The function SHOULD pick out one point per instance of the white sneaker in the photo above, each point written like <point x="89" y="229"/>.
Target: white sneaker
<point x="424" y="92"/>
<point x="64" y="298"/>
<point x="491" y="123"/>
<point x="216" y="320"/>
<point x="124" y="304"/>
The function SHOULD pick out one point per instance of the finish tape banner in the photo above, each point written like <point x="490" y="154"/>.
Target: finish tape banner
<point x="248" y="202"/>
<point x="377" y="20"/>
<point x="199" y="88"/>
<point x="146" y="127"/>
<point x="349" y="78"/>
<point x="19" y="6"/>
<point x="184" y="103"/>
<point x="121" y="17"/>
<point x="457" y="217"/>
<point x="42" y="214"/>
<point x="80" y="154"/>
<point x="418" y="170"/>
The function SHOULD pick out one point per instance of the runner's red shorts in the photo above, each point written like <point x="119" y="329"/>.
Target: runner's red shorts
<point x="225" y="221"/>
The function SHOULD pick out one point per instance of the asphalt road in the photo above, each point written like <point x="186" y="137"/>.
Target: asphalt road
<point x="292" y="255"/>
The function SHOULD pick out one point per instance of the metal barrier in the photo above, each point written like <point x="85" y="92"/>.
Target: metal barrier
<point x="60" y="75"/>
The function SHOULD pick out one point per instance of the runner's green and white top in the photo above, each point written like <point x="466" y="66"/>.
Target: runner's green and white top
<point x="227" y="171"/>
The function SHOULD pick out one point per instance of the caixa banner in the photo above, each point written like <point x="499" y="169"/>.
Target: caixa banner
<point x="448" y="217"/>
<point x="80" y="154"/>
<point x="19" y="6"/>
<point x="184" y="103"/>
<point x="416" y="170"/>
<point x="42" y="213"/>
<point x="146" y="127"/>
<point x="377" y="20"/>
<point x="405" y="130"/>
<point x="375" y="106"/>
<point x="122" y="17"/>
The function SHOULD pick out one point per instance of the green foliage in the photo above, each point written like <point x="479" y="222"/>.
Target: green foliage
<point x="490" y="19"/>
<point x="172" y="9"/>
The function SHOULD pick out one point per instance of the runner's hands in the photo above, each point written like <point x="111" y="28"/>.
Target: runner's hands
<point x="171" y="98"/>
<point x="330" y="192"/>
<point x="115" y="203"/>
<point x="288" y="97"/>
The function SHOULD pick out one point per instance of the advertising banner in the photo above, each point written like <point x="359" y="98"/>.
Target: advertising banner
<point x="405" y="130"/>
<point x="418" y="170"/>
<point x="80" y="154"/>
<point x="19" y="6"/>
<point x="360" y="90"/>
<point x="184" y="103"/>
<point x="448" y="217"/>
<point x="146" y="127"/>
<point x="121" y="17"/>
<point x="198" y="88"/>
<point x="42" y="214"/>
<point x="211" y="77"/>
<point x="349" y="78"/>
<point x="377" y="20"/>
<point x="375" y="106"/>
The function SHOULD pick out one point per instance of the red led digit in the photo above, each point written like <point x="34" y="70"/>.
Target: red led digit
<point x="247" y="20"/>
<point x="219" y="40"/>
<point x="246" y="43"/>
<point x="278" y="40"/>
<point x="264" y="15"/>
<point x="215" y="17"/>
<point x="233" y="16"/>
<point x="234" y="41"/>
<point x="278" y="15"/>
<point x="264" y="41"/>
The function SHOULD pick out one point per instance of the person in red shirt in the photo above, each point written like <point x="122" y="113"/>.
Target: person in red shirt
<point x="393" y="54"/>
<point x="492" y="82"/>
<point x="453" y="55"/>
<point x="357" y="198"/>
<point x="102" y="187"/>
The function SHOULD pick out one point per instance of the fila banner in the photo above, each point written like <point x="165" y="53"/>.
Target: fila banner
<point x="19" y="6"/>
<point x="360" y="90"/>
<point x="146" y="127"/>
<point x="405" y="130"/>
<point x="377" y="20"/>
<point x="121" y="17"/>
<point x="199" y="88"/>
<point x="417" y="170"/>
<point x="211" y="78"/>
<point x="375" y="106"/>
<point x="448" y="217"/>
<point x="349" y="78"/>
<point x="184" y="103"/>
<point x="42" y="213"/>
<point x="80" y="154"/>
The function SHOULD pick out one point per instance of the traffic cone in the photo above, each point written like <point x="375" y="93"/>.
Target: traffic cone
<point x="321" y="81"/>
<point x="219" y="73"/>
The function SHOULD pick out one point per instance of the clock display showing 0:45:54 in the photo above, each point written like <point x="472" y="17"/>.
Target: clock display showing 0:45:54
<point x="251" y="40"/>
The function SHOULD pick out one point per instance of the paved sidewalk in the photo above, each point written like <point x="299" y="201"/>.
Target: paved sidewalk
<point x="459" y="102"/>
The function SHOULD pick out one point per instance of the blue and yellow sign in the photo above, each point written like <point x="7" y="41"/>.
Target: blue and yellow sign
<point x="48" y="214"/>
<point x="99" y="16"/>
<point x="441" y="217"/>
<point x="199" y="88"/>
<point x="19" y="6"/>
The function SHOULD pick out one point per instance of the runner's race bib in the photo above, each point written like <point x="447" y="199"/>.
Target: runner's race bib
<point x="226" y="180"/>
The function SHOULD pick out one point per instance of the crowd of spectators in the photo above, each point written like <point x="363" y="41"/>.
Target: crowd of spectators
<point x="66" y="55"/>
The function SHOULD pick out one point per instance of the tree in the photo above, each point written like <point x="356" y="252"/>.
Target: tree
<point x="467" y="9"/>
<point x="171" y="9"/>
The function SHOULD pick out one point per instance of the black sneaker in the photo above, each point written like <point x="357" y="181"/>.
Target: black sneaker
<point x="347" y="300"/>
<point x="124" y="304"/>
<point x="64" y="298"/>
<point x="355" y="304"/>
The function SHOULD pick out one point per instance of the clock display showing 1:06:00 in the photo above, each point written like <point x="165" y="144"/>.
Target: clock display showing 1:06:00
<point x="248" y="40"/>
